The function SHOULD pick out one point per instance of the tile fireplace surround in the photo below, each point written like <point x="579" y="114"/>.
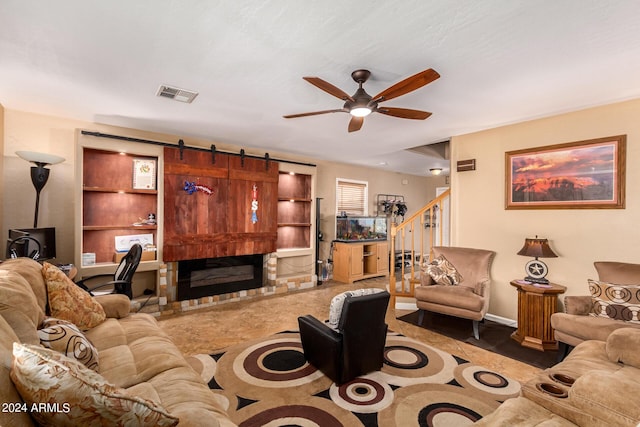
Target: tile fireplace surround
<point x="166" y="304"/>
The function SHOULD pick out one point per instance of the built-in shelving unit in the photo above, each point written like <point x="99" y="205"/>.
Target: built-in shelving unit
<point x="108" y="206"/>
<point x="294" y="210"/>
<point x="296" y="221"/>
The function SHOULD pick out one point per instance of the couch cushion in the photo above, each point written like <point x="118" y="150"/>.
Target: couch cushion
<point x="31" y="271"/>
<point x="619" y="302"/>
<point x="69" y="302"/>
<point x="135" y="354"/>
<point x="585" y="327"/>
<point x="443" y="272"/>
<point x="8" y="392"/>
<point x="65" y="337"/>
<point x="83" y="396"/>
<point x="622" y="346"/>
<point x="620" y="273"/>
<point x="19" y="307"/>
<point x="610" y="397"/>
<point x="521" y="411"/>
<point x="460" y="297"/>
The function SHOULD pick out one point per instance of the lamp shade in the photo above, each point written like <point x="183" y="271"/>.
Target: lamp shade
<point x="537" y="248"/>
<point x="43" y="158"/>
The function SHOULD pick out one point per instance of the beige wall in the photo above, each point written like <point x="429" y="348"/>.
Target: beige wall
<point x="417" y="192"/>
<point x="578" y="236"/>
<point x="1" y="174"/>
<point x="55" y="135"/>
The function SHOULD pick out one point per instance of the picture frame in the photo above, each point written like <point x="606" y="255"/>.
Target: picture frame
<point x="144" y="174"/>
<point x="586" y="174"/>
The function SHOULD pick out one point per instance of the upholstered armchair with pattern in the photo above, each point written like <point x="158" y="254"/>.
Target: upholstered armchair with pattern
<point x="614" y="303"/>
<point x="456" y="282"/>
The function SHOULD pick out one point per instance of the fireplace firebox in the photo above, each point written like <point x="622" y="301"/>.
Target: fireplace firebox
<point x="216" y="276"/>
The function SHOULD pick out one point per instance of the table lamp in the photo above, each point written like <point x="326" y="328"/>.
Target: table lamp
<point x="39" y="173"/>
<point x="536" y="269"/>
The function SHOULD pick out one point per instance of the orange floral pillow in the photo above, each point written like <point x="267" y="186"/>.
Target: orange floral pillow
<point x="82" y="397"/>
<point x="69" y="302"/>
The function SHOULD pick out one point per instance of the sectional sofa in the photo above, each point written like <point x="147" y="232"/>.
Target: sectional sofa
<point x="114" y="367"/>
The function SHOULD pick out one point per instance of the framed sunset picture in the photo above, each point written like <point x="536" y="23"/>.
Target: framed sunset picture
<point x="575" y="175"/>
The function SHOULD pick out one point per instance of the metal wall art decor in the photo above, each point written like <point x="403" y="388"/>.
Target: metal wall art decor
<point x="577" y="175"/>
<point x="192" y="187"/>
<point x="254" y="204"/>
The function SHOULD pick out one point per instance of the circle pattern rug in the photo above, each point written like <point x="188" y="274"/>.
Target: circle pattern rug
<point x="268" y="382"/>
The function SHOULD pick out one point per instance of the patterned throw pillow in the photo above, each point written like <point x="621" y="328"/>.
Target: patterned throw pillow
<point x="443" y="272"/>
<point x="83" y="397"/>
<point x="620" y="302"/>
<point x="335" y="309"/>
<point x="67" y="301"/>
<point x="66" y="338"/>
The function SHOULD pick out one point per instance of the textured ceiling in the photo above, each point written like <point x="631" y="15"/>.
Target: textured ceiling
<point x="500" y="61"/>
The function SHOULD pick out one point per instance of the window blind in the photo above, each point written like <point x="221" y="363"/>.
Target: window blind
<point x="351" y="197"/>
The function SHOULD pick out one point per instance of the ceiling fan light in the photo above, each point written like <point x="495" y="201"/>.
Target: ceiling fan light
<point x="360" y="111"/>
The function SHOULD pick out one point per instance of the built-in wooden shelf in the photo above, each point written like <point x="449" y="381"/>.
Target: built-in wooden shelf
<point x="119" y="190"/>
<point x="294" y="224"/>
<point x="118" y="227"/>
<point x="293" y="199"/>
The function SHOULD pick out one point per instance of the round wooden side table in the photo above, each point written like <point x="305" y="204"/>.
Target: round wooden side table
<point x="536" y="304"/>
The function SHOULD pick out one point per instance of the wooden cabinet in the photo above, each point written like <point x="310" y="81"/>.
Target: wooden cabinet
<point x="360" y="260"/>
<point x="108" y="204"/>
<point x="536" y="304"/>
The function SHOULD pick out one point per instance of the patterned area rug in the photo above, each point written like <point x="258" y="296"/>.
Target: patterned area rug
<point x="268" y="382"/>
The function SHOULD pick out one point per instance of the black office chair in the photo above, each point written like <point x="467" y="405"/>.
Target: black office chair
<point x="356" y="347"/>
<point x="121" y="278"/>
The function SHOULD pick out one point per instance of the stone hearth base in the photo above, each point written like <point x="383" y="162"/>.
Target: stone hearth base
<point x="161" y="305"/>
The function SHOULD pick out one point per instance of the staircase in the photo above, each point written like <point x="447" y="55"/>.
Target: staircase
<point x="412" y="240"/>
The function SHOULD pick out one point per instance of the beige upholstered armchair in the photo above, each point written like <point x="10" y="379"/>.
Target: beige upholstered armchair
<point x="462" y="291"/>
<point x="576" y="324"/>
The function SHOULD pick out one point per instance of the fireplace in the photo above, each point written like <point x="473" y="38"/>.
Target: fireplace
<point x="216" y="276"/>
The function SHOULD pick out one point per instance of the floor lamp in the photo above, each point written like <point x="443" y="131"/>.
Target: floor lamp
<point x="39" y="173"/>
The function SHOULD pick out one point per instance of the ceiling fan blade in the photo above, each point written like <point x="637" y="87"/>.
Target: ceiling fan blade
<point x="408" y="85"/>
<point x="329" y="88"/>
<point x="404" y="113"/>
<point x="314" y="113"/>
<point x="355" y="123"/>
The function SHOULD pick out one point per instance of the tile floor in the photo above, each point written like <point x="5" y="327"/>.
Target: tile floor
<point x="207" y="330"/>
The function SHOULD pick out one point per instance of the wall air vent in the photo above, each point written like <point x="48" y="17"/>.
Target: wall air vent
<point x="177" y="94"/>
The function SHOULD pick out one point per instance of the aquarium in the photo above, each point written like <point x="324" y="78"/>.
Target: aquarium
<point x="361" y="228"/>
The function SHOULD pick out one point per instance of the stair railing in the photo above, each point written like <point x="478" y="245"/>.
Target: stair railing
<point x="428" y="218"/>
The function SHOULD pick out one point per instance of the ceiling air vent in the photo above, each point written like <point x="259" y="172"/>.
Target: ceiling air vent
<point x="177" y="94"/>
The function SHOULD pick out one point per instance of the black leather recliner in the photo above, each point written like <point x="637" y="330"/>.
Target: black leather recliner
<point x="357" y="347"/>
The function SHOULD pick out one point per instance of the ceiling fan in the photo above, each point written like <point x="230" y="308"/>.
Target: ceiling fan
<point x="361" y="104"/>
